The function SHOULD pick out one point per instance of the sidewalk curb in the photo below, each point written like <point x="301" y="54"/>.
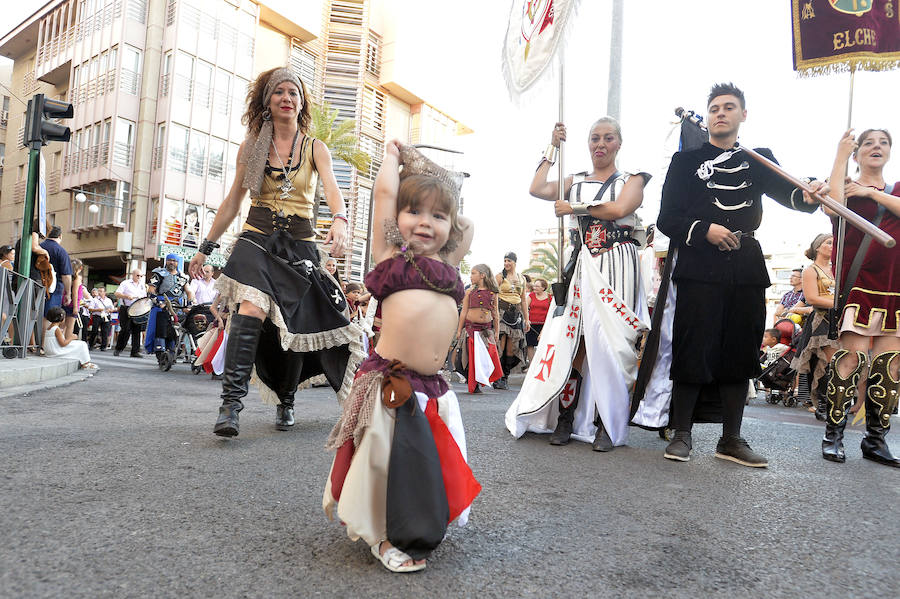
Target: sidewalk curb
<point x="79" y="375"/>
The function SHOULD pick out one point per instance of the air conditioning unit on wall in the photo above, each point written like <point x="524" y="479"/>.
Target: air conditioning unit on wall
<point x="123" y="242"/>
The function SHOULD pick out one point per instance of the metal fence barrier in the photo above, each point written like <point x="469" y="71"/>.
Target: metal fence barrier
<point x="21" y="314"/>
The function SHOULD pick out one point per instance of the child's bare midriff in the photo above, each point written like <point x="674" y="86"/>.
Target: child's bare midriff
<point x="417" y="329"/>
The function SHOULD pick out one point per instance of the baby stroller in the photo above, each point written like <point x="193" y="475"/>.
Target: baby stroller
<point x="777" y="376"/>
<point x="189" y="325"/>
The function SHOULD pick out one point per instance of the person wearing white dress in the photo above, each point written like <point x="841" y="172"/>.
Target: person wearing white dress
<point x="57" y="344"/>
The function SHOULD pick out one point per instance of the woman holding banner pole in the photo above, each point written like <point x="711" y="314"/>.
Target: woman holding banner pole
<point x="592" y="344"/>
<point x="870" y="291"/>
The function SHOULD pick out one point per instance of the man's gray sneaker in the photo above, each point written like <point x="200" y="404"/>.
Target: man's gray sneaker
<point x="680" y="447"/>
<point x="738" y="450"/>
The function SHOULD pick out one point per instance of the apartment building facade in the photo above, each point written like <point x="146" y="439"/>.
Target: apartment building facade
<point x="159" y="87"/>
<point x="5" y="86"/>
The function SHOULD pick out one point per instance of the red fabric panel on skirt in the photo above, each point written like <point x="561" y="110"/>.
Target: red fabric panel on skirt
<point x="459" y="482"/>
<point x="470" y="348"/>
<point x="342" y="460"/>
<point x="207" y="365"/>
<point x="495" y="359"/>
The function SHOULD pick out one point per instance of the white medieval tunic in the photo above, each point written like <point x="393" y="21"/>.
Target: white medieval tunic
<point x="607" y="307"/>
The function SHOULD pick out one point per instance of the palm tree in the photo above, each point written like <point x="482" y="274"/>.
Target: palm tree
<point x="343" y="144"/>
<point x="339" y="137"/>
<point x="545" y="263"/>
<point x="464" y="266"/>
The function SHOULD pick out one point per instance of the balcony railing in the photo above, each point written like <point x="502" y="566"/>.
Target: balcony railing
<point x="112" y="213"/>
<point x="130" y="82"/>
<point x="157" y="159"/>
<point x="19" y="191"/>
<point x="122" y="154"/>
<point x="87" y="158"/>
<point x="53" y="182"/>
<point x="29" y="84"/>
<point x="4" y="118"/>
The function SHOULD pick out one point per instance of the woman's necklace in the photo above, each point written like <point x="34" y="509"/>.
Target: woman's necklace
<point x="287" y="186"/>
<point x="864" y="182"/>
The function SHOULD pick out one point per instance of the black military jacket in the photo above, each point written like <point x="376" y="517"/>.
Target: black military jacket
<point x="707" y="185"/>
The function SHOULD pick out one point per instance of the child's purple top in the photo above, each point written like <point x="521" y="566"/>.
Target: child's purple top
<point x="397" y="274"/>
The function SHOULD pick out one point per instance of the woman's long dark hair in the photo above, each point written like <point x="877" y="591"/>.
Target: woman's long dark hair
<point x="253" y="116"/>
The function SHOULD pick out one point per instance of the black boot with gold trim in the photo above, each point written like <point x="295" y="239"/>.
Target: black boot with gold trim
<point x="839" y="396"/>
<point x="881" y="399"/>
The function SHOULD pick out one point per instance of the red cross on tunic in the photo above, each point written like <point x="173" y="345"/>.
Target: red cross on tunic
<point x="568" y="393"/>
<point x="606" y="295"/>
<point x="546" y="362"/>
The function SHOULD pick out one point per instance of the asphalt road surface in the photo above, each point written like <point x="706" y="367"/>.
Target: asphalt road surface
<point x="116" y="487"/>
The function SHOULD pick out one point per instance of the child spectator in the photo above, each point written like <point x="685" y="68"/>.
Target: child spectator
<point x="56" y="343"/>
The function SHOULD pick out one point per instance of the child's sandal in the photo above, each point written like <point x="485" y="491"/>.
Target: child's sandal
<point x="393" y="559"/>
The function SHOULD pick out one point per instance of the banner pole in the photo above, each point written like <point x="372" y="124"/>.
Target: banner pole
<point x="560" y="238"/>
<point x="841" y="230"/>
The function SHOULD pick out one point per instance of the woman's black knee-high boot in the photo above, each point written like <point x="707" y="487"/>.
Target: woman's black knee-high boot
<point x="240" y="354"/>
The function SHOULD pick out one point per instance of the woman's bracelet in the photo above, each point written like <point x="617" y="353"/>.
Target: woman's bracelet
<point x="206" y="247"/>
<point x="340" y="216"/>
<point x="551" y="153"/>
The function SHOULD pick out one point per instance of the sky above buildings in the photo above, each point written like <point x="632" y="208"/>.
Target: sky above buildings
<point x="673" y="52"/>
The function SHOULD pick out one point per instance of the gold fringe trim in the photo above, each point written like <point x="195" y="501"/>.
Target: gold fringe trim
<point x="847" y="65"/>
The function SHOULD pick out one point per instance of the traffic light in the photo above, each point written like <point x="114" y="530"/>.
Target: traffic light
<point x="37" y="126"/>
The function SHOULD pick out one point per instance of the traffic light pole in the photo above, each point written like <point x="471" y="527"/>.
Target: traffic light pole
<point x="38" y="131"/>
<point x="25" y="249"/>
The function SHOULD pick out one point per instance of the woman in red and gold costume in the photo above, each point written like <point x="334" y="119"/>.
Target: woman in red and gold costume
<point x="869" y="322"/>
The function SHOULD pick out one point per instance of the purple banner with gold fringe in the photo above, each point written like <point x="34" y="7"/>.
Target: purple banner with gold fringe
<point x="840" y="35"/>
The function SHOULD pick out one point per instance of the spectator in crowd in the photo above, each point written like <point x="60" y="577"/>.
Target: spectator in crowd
<point x="793" y="302"/>
<point x="7" y="256"/>
<point x="84" y="311"/>
<point x="772" y="348"/>
<point x="71" y="308"/>
<point x="36" y="251"/>
<point x="205" y="288"/>
<point x="352" y="292"/>
<point x="57" y="343"/>
<point x="129" y="291"/>
<point x="331" y="266"/>
<point x="62" y="265"/>
<point x="538" y="305"/>
<point x="100" y="309"/>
